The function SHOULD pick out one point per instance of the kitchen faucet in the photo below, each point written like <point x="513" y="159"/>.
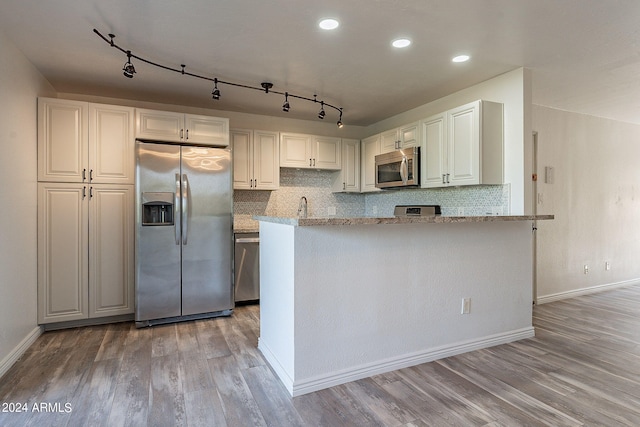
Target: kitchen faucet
<point x="302" y="207"/>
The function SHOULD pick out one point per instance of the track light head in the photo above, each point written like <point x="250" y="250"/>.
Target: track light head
<point x="128" y="70"/>
<point x="285" y="106"/>
<point x="340" y="124"/>
<point x="321" y="114"/>
<point x="216" y="92"/>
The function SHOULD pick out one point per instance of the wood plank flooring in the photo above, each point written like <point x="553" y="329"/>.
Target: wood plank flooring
<point x="582" y="368"/>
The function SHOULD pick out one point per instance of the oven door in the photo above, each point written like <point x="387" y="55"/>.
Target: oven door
<point x="397" y="169"/>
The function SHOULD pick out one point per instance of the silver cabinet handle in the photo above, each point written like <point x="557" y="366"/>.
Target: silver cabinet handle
<point x="176" y="210"/>
<point x="309" y="162"/>
<point x="186" y="202"/>
<point x="84" y="174"/>
<point x="187" y="134"/>
<point x="90" y="175"/>
<point x="344" y="185"/>
<point x="84" y="192"/>
<point x="255" y="183"/>
<point x="181" y="133"/>
<point x="91" y="192"/>
<point x="448" y="182"/>
<point x="444" y="179"/>
<point x="314" y="162"/>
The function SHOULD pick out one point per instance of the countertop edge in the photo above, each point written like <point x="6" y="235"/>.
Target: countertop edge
<point x="307" y="222"/>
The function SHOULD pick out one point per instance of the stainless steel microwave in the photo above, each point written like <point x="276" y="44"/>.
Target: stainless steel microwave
<point x="400" y="168"/>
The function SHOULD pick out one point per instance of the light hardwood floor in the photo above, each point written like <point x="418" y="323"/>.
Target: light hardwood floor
<point x="582" y="368"/>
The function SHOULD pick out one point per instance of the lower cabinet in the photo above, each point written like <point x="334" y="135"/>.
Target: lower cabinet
<point x="85" y="251"/>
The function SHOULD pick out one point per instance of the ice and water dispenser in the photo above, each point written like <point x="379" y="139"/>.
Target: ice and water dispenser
<point x="157" y="208"/>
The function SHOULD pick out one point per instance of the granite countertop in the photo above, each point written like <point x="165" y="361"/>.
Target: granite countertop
<point x="314" y="221"/>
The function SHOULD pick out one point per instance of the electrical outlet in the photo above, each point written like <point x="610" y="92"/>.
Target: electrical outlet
<point x="331" y="210"/>
<point x="586" y="269"/>
<point x="466" y="306"/>
<point x="460" y="211"/>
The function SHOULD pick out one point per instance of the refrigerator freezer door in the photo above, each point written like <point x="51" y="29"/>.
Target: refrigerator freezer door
<point x="207" y="236"/>
<point x="157" y="254"/>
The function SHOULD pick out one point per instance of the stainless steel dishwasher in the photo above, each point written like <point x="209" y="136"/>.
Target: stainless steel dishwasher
<point x="247" y="267"/>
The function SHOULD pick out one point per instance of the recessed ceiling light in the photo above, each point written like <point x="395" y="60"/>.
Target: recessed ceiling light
<point x="400" y="43"/>
<point x="460" y="58"/>
<point x="328" y="24"/>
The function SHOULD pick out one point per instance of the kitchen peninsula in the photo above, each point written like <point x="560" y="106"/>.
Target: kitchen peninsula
<point x="347" y="298"/>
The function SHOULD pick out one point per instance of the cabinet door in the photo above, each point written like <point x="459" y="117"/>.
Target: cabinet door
<point x="370" y="149"/>
<point x="388" y="141"/>
<point x="242" y="144"/>
<point x="327" y="153"/>
<point x="111" y="144"/>
<point x="351" y="165"/>
<point x="111" y="262"/>
<point x="464" y="144"/>
<point x="62" y="252"/>
<point x="409" y="136"/>
<point x="433" y="156"/>
<point x="266" y="160"/>
<point x="206" y="130"/>
<point x="295" y="151"/>
<point x="159" y="125"/>
<point x="62" y="140"/>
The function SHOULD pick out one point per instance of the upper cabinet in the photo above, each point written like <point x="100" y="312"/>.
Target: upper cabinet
<point x="83" y="142"/>
<point x="310" y="151"/>
<point x="370" y="148"/>
<point x="463" y="146"/>
<point x="255" y="159"/>
<point x="402" y="137"/>
<point x="348" y="179"/>
<point x="177" y="127"/>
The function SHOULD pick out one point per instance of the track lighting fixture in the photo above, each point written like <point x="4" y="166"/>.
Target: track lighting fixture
<point x="216" y="91"/>
<point x="129" y="70"/>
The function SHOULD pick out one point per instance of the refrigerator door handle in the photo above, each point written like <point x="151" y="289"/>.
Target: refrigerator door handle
<point x="176" y="209"/>
<point x="185" y="208"/>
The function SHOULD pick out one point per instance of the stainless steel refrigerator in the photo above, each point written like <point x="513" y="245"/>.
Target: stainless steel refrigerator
<point x="184" y="239"/>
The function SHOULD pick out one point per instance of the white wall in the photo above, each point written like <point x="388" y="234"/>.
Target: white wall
<point x="513" y="89"/>
<point x="595" y="198"/>
<point x="20" y="85"/>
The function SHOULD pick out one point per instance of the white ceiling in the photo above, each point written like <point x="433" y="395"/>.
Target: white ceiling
<point x="584" y="54"/>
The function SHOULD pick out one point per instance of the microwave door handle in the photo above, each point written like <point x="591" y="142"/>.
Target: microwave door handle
<point x="404" y="170"/>
<point x="176" y="210"/>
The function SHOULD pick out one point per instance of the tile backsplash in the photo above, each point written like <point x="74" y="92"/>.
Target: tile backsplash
<point x="316" y="187"/>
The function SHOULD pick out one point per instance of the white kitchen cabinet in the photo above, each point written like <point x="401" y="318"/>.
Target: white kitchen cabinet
<point x="63" y="264"/>
<point x="370" y="148"/>
<point x="347" y="180"/>
<point x="255" y="159"/>
<point x="111" y="250"/>
<point x="177" y="127"/>
<point x="463" y="146"/>
<point x="403" y="137"/>
<point x="85" y="142"/>
<point x="85" y="251"/>
<point x="310" y="151"/>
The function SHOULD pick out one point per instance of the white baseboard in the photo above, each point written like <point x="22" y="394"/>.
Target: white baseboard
<point x="298" y="388"/>
<point x="19" y="350"/>
<point x="585" y="291"/>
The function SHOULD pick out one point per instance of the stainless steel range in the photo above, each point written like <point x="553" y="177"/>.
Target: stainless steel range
<point x="416" y="210"/>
